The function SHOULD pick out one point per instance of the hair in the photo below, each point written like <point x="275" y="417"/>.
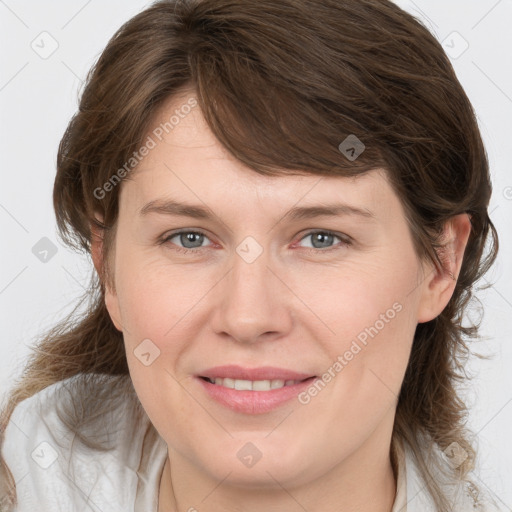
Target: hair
<point x="281" y="84"/>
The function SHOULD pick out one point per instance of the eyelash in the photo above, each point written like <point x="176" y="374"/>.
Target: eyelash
<point x="345" y="241"/>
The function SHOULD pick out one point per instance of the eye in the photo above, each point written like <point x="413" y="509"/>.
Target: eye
<point x="190" y="240"/>
<point x="323" y="239"/>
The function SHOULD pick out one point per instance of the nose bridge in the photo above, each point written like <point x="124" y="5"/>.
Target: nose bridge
<point x="249" y="305"/>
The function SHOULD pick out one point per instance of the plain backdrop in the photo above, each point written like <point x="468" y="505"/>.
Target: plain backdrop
<point x="46" y="51"/>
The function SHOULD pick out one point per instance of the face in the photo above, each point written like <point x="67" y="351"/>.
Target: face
<point x="258" y="288"/>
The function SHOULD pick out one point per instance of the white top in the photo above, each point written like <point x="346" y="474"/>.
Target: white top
<point x="37" y="448"/>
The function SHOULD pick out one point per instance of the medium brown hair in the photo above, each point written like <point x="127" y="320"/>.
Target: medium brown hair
<point x="281" y="83"/>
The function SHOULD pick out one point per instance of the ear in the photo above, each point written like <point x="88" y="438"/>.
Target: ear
<point x="439" y="284"/>
<point x="111" y="301"/>
<point x="97" y="245"/>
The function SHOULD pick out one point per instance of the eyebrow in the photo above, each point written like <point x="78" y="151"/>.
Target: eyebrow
<point x="176" y="208"/>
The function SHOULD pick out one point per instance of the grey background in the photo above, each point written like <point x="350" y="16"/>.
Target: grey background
<point x="38" y="95"/>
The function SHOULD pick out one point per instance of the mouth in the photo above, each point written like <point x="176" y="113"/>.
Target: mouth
<point x="253" y="385"/>
<point x="252" y="391"/>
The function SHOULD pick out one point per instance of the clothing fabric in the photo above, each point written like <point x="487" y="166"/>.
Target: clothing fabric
<point x="39" y="441"/>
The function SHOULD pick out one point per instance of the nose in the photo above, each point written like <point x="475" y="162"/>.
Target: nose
<point x="252" y="303"/>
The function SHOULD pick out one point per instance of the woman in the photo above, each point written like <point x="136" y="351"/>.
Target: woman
<point x="304" y="354"/>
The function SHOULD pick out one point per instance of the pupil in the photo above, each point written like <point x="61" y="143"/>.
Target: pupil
<point x="190" y="237"/>
<point x="320" y="236"/>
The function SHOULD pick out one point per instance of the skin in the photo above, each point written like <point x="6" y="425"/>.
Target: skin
<point x="295" y="306"/>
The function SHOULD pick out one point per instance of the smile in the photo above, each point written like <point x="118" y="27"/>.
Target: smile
<point x="251" y="385"/>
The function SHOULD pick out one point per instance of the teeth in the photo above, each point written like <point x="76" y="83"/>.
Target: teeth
<point x="243" y="385"/>
<point x="276" y="384"/>
<point x="252" y="385"/>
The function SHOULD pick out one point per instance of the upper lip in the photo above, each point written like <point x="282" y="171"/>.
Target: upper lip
<point x="261" y="373"/>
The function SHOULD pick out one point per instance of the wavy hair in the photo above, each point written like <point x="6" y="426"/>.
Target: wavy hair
<point x="281" y="83"/>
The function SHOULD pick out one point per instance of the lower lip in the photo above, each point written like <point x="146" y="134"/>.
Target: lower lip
<point x="253" y="402"/>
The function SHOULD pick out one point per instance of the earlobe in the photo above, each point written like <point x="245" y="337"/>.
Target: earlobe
<point x="112" y="305"/>
<point x="439" y="284"/>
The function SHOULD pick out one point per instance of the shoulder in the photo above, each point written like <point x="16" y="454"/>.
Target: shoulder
<point x="86" y="409"/>
<point x="461" y="494"/>
<point x="77" y="442"/>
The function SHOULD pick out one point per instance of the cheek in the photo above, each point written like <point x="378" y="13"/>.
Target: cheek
<point x="154" y="305"/>
<point x="354" y="298"/>
<point x="371" y="321"/>
<point x="156" y="297"/>
<point x="159" y="304"/>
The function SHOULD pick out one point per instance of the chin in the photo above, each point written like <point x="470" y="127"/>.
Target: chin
<point x="260" y="464"/>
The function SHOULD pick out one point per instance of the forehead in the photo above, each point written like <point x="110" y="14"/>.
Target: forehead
<point x="187" y="161"/>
